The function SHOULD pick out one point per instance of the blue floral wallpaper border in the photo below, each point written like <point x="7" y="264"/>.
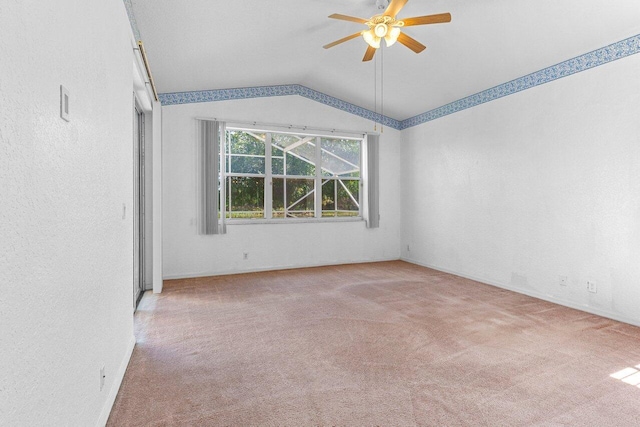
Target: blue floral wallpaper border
<point x="132" y="19"/>
<point x="618" y="50"/>
<point x="268" y="91"/>
<point x="584" y="62"/>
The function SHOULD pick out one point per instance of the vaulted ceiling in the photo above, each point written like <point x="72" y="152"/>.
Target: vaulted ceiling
<point x="214" y="44"/>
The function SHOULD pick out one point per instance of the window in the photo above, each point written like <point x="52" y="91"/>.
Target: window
<point x="278" y="175"/>
<point x="245" y="174"/>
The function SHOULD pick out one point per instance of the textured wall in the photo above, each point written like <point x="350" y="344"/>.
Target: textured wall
<point x="186" y="253"/>
<point x="541" y="184"/>
<point x="65" y="250"/>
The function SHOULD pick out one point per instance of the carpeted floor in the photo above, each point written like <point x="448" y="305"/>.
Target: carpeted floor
<point x="381" y="344"/>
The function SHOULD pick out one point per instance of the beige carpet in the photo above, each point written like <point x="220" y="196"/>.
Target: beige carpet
<point x="382" y="344"/>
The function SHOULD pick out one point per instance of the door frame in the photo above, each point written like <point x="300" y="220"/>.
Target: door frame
<point x="139" y="201"/>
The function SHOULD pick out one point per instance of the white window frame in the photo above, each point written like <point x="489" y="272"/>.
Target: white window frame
<point x="319" y="179"/>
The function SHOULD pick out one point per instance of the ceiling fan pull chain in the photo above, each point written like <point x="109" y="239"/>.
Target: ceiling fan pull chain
<point x="381" y="91"/>
<point x="375" y="94"/>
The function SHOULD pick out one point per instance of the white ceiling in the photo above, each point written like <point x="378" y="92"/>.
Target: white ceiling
<point x="216" y="44"/>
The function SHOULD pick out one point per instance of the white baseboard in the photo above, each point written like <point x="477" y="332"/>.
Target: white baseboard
<point x="274" y="268"/>
<point x="115" y="387"/>
<point x="550" y="298"/>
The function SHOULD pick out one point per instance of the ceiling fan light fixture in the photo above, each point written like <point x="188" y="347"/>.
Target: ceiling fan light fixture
<point x="392" y="36"/>
<point x="370" y="37"/>
<point x="381" y="30"/>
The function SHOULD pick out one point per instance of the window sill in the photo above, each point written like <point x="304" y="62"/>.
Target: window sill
<point x="291" y="220"/>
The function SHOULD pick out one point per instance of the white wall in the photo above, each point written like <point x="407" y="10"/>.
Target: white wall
<point x="270" y="246"/>
<point x="65" y="251"/>
<point x="537" y="185"/>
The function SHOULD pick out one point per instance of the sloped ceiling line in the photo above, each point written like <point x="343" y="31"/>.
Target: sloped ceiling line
<point x="615" y="51"/>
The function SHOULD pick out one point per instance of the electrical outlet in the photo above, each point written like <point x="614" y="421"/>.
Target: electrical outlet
<point x="102" y="377"/>
<point x="408" y="248"/>
<point x="562" y="281"/>
<point x="245" y="255"/>
<point x="591" y="286"/>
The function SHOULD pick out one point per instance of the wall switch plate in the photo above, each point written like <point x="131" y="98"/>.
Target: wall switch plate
<point x="562" y="281"/>
<point x="591" y="286"/>
<point x="64" y="103"/>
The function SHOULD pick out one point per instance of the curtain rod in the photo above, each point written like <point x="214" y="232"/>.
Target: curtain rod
<point x="146" y="65"/>
<point x="289" y="127"/>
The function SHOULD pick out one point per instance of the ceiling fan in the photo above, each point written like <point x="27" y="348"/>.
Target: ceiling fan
<point x="388" y="27"/>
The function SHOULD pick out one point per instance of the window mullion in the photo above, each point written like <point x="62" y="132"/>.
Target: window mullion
<point x="360" y="182"/>
<point x="318" y="180"/>
<point x="223" y="176"/>
<point x="268" y="179"/>
<point x="284" y="186"/>
<point x="335" y="197"/>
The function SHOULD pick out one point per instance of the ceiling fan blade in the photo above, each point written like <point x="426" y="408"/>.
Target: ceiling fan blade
<point x="368" y="55"/>
<point x="411" y="43"/>
<point x="342" y="40"/>
<point x="429" y="19"/>
<point x="394" y="7"/>
<point x="348" y="18"/>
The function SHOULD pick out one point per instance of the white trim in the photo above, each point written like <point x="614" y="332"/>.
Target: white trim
<point x="249" y="221"/>
<point x="546" y="297"/>
<point x="115" y="386"/>
<point x="274" y="268"/>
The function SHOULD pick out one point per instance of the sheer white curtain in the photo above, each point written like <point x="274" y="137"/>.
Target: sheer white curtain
<point x="370" y="159"/>
<point x="210" y="131"/>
